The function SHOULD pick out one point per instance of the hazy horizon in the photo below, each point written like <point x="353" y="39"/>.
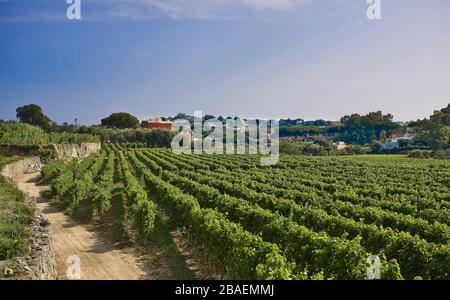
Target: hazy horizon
<point x="309" y="59"/>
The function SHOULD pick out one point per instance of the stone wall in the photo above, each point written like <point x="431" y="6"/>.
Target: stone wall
<point x="16" y="169"/>
<point x="48" y="153"/>
<point x="40" y="264"/>
<point x="69" y="152"/>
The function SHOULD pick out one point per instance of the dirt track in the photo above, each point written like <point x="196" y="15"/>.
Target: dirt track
<point x="100" y="258"/>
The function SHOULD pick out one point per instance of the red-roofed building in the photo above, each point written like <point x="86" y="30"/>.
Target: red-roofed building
<point x="159" y="124"/>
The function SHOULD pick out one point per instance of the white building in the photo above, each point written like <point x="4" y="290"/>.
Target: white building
<point x="340" y="145"/>
<point x="395" y="143"/>
<point x="391" y="144"/>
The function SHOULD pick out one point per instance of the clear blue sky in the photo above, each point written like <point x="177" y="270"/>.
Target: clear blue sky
<point x="252" y="58"/>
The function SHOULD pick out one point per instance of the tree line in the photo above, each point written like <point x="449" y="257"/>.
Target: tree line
<point x="372" y="129"/>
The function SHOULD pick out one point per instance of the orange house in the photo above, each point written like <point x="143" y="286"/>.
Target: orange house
<point x="159" y="124"/>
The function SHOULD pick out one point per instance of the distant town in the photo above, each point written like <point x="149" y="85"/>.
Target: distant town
<point x="374" y="133"/>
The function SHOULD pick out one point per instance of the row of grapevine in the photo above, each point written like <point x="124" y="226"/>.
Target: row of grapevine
<point x="304" y="216"/>
<point x="104" y="186"/>
<point x="143" y="210"/>
<point x="438" y="233"/>
<point x="347" y="262"/>
<point x="239" y="253"/>
<point x="361" y="189"/>
<point x="395" y="177"/>
<point x="415" y="255"/>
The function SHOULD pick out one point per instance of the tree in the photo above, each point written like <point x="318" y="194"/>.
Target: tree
<point x="32" y="114"/>
<point x="363" y="129"/>
<point x="180" y="116"/>
<point x="121" y="121"/>
<point x="144" y="124"/>
<point x="291" y="148"/>
<point x="208" y="117"/>
<point x="376" y="147"/>
<point x="435" y="131"/>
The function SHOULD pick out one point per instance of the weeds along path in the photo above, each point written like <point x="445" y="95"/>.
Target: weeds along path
<point x="100" y="258"/>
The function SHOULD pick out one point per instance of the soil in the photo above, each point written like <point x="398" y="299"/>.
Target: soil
<point x="100" y="257"/>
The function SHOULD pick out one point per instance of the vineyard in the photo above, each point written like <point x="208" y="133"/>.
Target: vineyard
<point x="305" y="218"/>
<point x="12" y="133"/>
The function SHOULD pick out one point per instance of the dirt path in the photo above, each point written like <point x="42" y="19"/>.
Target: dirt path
<point x="100" y="258"/>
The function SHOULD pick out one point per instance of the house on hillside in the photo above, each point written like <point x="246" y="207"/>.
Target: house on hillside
<point x="391" y="144"/>
<point x="159" y="124"/>
<point x="340" y="145"/>
<point x="395" y="142"/>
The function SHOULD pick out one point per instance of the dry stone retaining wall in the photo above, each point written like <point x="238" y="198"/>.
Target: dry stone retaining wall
<point x="48" y="153"/>
<point x="16" y="169"/>
<point x="68" y="152"/>
<point x="40" y="263"/>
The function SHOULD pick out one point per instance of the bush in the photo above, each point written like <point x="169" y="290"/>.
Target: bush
<point x="442" y="154"/>
<point x="420" y="154"/>
<point x="438" y="154"/>
<point x="23" y="134"/>
<point x="291" y="148"/>
<point x="52" y="171"/>
<point x="149" y="137"/>
<point x="15" y="216"/>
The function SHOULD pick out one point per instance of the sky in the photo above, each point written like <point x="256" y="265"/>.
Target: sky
<point x="310" y="59"/>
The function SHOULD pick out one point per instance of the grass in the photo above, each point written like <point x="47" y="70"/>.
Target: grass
<point x="7" y="159"/>
<point x="15" y="216"/>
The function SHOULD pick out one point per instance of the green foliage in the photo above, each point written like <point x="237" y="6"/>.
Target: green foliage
<point x="435" y="131"/>
<point x="420" y="154"/>
<point x="442" y="154"/>
<point x="305" y="218"/>
<point x="229" y="247"/>
<point x="103" y="187"/>
<point x="276" y="268"/>
<point x="390" y="270"/>
<point x="32" y="114"/>
<point x="52" y="171"/>
<point x="81" y="188"/>
<point x="318" y="149"/>
<point x="371" y="217"/>
<point x="299" y="130"/>
<point x="73" y="182"/>
<point x="15" y="216"/>
<point x="121" y="121"/>
<point x="102" y="197"/>
<point x="143" y="210"/>
<point x="438" y="154"/>
<point x="376" y="147"/>
<point x="289" y="148"/>
<point x="147" y="137"/>
<point x="357" y="129"/>
<point x="24" y="134"/>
